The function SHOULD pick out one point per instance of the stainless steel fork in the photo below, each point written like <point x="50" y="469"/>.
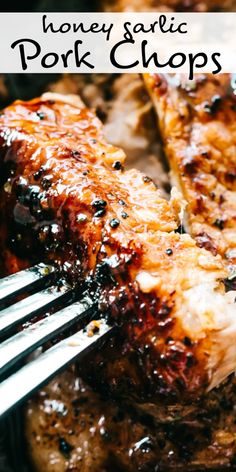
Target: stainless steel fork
<point x="25" y="325"/>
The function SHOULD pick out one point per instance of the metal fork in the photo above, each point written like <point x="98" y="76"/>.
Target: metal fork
<point x="31" y="313"/>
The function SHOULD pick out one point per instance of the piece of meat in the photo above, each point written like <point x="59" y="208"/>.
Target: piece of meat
<point x="129" y="124"/>
<point x="168" y="5"/>
<point x="124" y="106"/>
<point x="197" y="122"/>
<point x="70" y="428"/>
<point x="65" y="198"/>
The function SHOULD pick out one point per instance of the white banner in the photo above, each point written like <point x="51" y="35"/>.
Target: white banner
<point x="117" y="42"/>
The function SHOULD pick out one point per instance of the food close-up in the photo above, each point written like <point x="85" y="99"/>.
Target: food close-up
<point x="118" y="199"/>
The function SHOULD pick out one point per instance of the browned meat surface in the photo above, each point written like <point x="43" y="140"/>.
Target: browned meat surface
<point x="169" y="5"/>
<point x="70" y="428"/>
<point x="197" y="121"/>
<point x="66" y="198"/>
<point x="124" y="106"/>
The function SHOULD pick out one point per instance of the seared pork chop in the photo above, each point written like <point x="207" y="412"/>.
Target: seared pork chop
<point x="66" y="198"/>
<point x="198" y="125"/>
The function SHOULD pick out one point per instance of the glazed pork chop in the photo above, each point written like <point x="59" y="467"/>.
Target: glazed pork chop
<point x="197" y="121"/>
<point x="66" y="198"/>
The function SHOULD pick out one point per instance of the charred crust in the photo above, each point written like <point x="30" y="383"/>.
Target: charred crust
<point x="230" y="176"/>
<point x="190" y="165"/>
<point x="204" y="240"/>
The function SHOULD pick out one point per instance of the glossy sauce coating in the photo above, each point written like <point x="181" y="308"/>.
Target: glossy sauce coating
<point x="66" y="198"/>
<point x="197" y="121"/>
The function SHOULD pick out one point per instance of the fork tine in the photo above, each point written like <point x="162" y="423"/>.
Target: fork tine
<point x="27" y="279"/>
<point x="30" y="306"/>
<point x="33" y="375"/>
<point x="24" y="342"/>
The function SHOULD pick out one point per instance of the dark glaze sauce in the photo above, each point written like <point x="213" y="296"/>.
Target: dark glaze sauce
<point x="61" y="201"/>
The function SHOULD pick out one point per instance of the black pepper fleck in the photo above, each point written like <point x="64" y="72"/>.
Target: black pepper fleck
<point x="214" y="105"/>
<point x="205" y="154"/>
<point x="114" y="223"/>
<point x="64" y="447"/>
<point x="169" y="252"/>
<point x="219" y="223"/>
<point x="75" y="153"/>
<point x="100" y="213"/>
<point x="117" y="165"/>
<point x="38" y="174"/>
<point x="216" y="101"/>
<point x="121" y="202"/>
<point x="40" y="115"/>
<point x="124" y="215"/>
<point x="221" y="199"/>
<point x="99" y="204"/>
<point x="147" y="179"/>
<point x="190" y="361"/>
<point x="187" y="341"/>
